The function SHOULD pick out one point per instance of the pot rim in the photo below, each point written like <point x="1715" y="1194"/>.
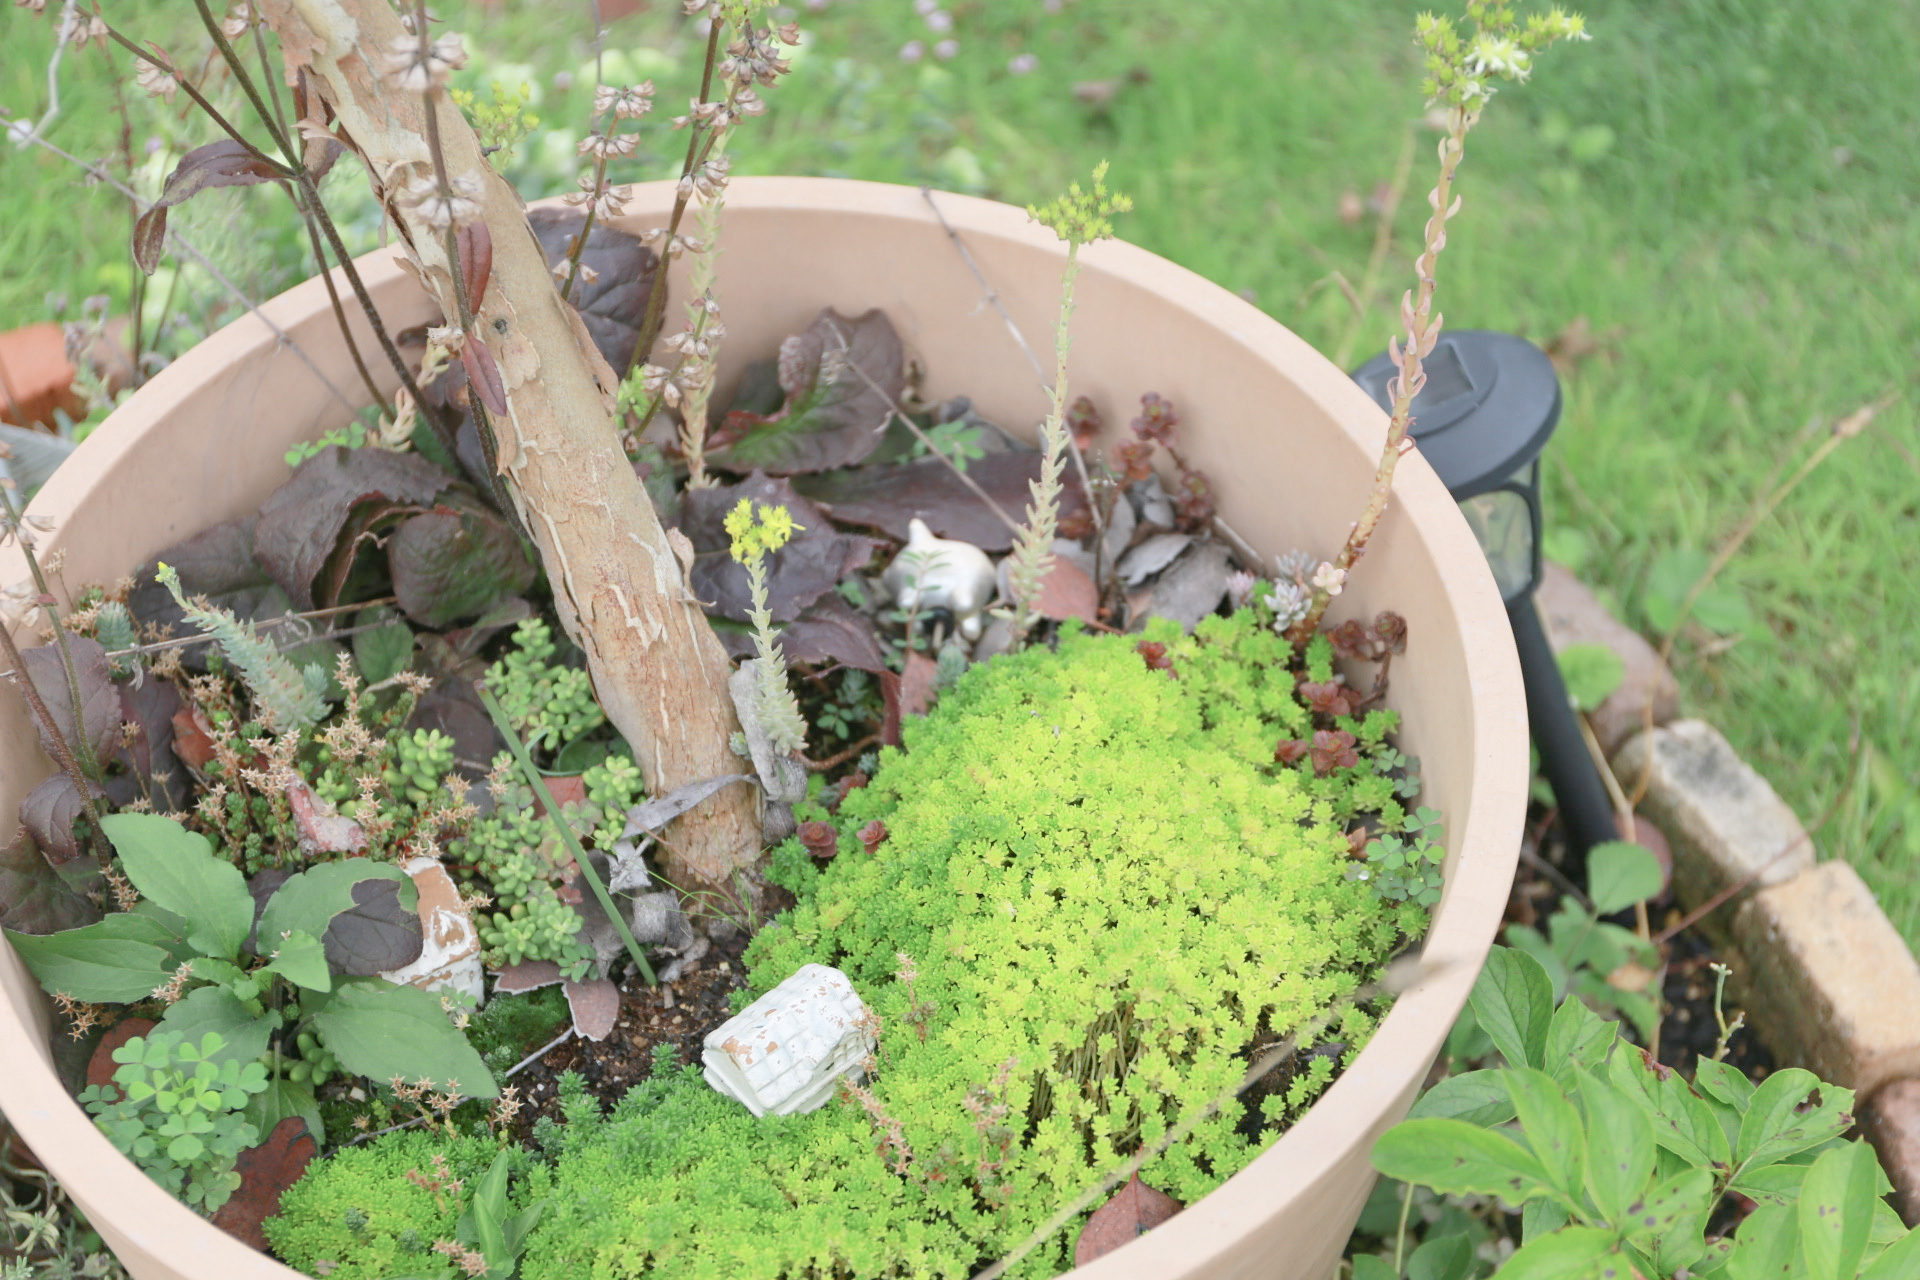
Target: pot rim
<point x="1361" y="1100"/>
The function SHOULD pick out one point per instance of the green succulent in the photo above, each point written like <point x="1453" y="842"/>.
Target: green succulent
<point x="420" y="761"/>
<point x="551" y="704"/>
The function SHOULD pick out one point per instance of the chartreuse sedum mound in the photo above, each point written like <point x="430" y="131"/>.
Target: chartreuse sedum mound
<point x="1098" y="895"/>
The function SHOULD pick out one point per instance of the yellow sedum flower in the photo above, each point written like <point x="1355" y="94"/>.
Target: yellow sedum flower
<point x="751" y="538"/>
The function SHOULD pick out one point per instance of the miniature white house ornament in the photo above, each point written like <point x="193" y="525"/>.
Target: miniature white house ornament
<point x="941" y="573"/>
<point x="786" y="1052"/>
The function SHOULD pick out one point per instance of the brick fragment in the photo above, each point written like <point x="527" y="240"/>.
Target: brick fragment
<point x="1829" y="983"/>
<point x="1891" y="1121"/>
<point x="1724" y="822"/>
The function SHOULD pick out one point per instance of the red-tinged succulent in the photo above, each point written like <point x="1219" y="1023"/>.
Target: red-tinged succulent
<point x="1333" y="749"/>
<point x="1327" y="698"/>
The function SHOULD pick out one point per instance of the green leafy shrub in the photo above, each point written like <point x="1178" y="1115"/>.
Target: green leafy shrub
<point x="1621" y="1166"/>
<point x="193" y="943"/>
<point x="179" y="1113"/>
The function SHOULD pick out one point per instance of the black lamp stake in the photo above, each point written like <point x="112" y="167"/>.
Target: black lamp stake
<point x="1490" y="404"/>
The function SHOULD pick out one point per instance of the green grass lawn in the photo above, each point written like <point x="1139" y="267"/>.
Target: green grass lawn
<point x="1723" y="190"/>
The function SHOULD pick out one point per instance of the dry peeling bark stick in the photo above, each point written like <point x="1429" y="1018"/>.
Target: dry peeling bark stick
<point x="618" y="582"/>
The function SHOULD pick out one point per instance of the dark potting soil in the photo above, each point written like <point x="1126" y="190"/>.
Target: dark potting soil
<point x="1688" y="1029"/>
<point x="679" y="1013"/>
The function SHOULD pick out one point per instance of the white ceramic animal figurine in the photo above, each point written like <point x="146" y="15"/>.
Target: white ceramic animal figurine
<point x="940" y="573"/>
<point x="785" y="1052"/>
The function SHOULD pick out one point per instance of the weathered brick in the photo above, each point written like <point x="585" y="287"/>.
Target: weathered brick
<point x="1891" y="1121"/>
<point x="1573" y="615"/>
<point x="1829" y="983"/>
<point x="1724" y="822"/>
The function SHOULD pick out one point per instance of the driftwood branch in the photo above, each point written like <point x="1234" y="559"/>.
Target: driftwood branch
<point x="619" y="579"/>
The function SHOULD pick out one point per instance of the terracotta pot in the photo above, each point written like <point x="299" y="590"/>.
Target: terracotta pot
<point x="1290" y="444"/>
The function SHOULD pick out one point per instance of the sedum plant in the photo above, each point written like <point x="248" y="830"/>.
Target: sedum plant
<point x="1043" y="1008"/>
<point x="755" y="536"/>
<point x="289" y="699"/>
<point x="178" y="1109"/>
<point x="1463" y="68"/>
<point x="517" y="857"/>
<point x="550" y="703"/>
<point x="378" y="1210"/>
<point x="1079" y="217"/>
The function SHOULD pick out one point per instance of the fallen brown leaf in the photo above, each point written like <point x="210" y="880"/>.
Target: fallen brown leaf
<point x="101" y="1066"/>
<point x="1134" y="1210"/>
<point x="528" y="975"/>
<point x="916" y="683"/>
<point x="266" y="1171"/>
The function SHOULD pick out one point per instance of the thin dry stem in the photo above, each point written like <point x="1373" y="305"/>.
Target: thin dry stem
<point x="1422" y="327"/>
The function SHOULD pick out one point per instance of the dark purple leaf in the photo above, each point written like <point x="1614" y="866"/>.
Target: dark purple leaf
<point x="261" y="887"/>
<point x="798" y="574"/>
<point x="33" y="896"/>
<point x="758" y="390"/>
<point x="48" y="813"/>
<point x="452" y="708"/>
<point x="596" y="1007"/>
<point x="455" y="562"/>
<point x="99" y="698"/>
<point x="375" y="934"/>
<point x="475" y="243"/>
<point x="703" y="513"/>
<point x="364" y="526"/>
<point x="830" y="632"/>
<point x="484" y="375"/>
<point x="614" y="304"/>
<point x="834" y="416"/>
<point x="218" y="164"/>
<point x="886" y="498"/>
<point x="301" y="522"/>
<point x="1134" y="1210"/>
<point x="216" y="563"/>
<point x="151" y="705"/>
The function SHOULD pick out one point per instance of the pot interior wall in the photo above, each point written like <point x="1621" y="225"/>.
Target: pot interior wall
<point x="1287" y="440"/>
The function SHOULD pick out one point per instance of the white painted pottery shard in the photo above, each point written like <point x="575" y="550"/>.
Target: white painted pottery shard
<point x="450" y="945"/>
<point x="785" y="1052"/>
